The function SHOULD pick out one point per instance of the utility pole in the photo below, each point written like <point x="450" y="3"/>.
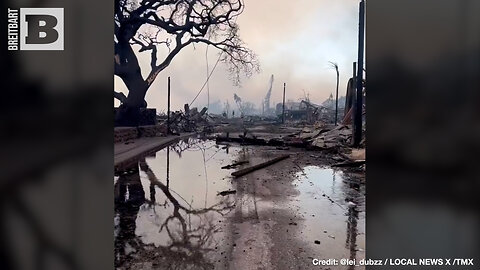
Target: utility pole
<point x="168" y="108"/>
<point x="354" y="72"/>
<point x="336" y="97"/>
<point x="283" y="109"/>
<point x="168" y="166"/>
<point x="357" y="126"/>
<point x="354" y="86"/>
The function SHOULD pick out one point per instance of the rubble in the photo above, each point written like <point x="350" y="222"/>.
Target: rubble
<point x="189" y="120"/>
<point x="357" y="154"/>
<point x="318" y="136"/>
<point x="339" y="136"/>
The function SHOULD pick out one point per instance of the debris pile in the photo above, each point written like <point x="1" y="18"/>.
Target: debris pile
<point x="356" y="158"/>
<point x="337" y="137"/>
<point x="319" y="136"/>
<point x="189" y="120"/>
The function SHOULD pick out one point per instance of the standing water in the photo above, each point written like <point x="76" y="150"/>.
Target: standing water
<point x="333" y="208"/>
<point x="168" y="212"/>
<point x="176" y="209"/>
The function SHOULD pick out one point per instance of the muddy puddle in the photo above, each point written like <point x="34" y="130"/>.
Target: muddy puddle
<point x="170" y="212"/>
<point x="332" y="207"/>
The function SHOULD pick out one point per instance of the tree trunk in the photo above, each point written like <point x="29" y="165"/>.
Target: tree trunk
<point x="128" y="113"/>
<point x="336" y="99"/>
<point x="128" y="69"/>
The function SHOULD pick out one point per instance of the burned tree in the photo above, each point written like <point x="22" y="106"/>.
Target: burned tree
<point x="190" y="231"/>
<point x="163" y="28"/>
<point x="335" y="66"/>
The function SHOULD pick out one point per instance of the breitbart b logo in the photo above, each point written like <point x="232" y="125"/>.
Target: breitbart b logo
<point x="40" y="29"/>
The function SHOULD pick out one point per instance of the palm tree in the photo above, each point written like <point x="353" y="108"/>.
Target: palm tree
<point x="335" y="66"/>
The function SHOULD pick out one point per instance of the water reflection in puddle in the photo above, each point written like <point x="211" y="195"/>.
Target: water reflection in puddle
<point x="167" y="209"/>
<point x="168" y="213"/>
<point x="333" y="210"/>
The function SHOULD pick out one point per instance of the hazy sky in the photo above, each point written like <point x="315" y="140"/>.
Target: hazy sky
<point x="294" y="41"/>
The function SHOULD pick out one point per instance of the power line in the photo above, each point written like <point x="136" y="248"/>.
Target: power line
<point x="206" y="81"/>
<point x="208" y="78"/>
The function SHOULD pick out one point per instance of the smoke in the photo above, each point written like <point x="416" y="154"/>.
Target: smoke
<point x="293" y="40"/>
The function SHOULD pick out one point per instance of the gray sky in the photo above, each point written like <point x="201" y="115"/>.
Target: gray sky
<point x="294" y="40"/>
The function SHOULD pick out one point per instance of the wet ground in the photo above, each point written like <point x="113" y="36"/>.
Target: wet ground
<point x="179" y="210"/>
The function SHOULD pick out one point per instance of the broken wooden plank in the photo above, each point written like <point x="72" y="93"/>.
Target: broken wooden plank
<point x="243" y="140"/>
<point x="235" y="164"/>
<point x="226" y="192"/>
<point x="259" y="166"/>
<point x="350" y="164"/>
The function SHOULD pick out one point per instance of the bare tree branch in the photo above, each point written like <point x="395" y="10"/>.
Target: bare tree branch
<point x="120" y="96"/>
<point x="182" y="22"/>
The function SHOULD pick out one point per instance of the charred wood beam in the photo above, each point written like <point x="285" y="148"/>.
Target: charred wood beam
<point x="259" y="166"/>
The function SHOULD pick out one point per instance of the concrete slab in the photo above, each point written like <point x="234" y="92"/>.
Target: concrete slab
<point x="125" y="153"/>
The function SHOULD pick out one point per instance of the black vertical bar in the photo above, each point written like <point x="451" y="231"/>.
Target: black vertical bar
<point x="359" y="97"/>
<point x="168" y="108"/>
<point x="283" y="108"/>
